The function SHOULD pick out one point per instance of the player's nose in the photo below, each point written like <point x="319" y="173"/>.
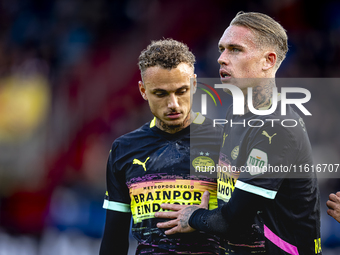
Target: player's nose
<point x="223" y="59"/>
<point x="173" y="101"/>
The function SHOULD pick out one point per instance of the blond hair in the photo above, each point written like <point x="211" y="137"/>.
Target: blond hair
<point x="267" y="31"/>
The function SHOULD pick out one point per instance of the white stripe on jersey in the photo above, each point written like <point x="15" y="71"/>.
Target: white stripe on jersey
<point x="255" y="190"/>
<point x="116" y="206"/>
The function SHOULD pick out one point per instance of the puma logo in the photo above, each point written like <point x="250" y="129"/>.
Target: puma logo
<point x="269" y="137"/>
<point x="138" y="162"/>
<point x="224" y="137"/>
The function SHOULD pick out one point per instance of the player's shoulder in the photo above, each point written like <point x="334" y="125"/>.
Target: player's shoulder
<point x="273" y="136"/>
<point x="134" y="137"/>
<point x="287" y="129"/>
<point x="290" y="122"/>
<point x="203" y="124"/>
<point x="282" y="113"/>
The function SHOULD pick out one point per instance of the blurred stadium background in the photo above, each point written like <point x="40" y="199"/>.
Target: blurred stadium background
<point x="68" y="88"/>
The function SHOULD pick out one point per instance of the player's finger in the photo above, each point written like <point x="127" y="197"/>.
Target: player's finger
<point x="330" y="212"/>
<point x="173" y="207"/>
<point x="333" y="213"/>
<point x="172" y="231"/>
<point x="338" y="193"/>
<point x="330" y="204"/>
<point x="167" y="224"/>
<point x="205" y="200"/>
<point x="334" y="197"/>
<point x="166" y="215"/>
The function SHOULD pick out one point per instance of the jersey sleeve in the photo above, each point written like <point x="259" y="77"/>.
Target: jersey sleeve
<point x="271" y="156"/>
<point x="116" y="233"/>
<point x="117" y="195"/>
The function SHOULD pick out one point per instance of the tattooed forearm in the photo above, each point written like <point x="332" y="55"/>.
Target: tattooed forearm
<point x="185" y="216"/>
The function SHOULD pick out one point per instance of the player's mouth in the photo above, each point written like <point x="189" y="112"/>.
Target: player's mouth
<point x="225" y="75"/>
<point x="173" y="115"/>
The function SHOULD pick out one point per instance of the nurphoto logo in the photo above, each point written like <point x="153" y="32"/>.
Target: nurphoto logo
<point x="239" y="103"/>
<point x="238" y="100"/>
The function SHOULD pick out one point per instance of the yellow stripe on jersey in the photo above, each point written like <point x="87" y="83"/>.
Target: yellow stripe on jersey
<point x="153" y="122"/>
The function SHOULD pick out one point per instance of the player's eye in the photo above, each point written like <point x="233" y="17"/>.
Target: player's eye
<point x="181" y="91"/>
<point x="220" y="50"/>
<point x="233" y="49"/>
<point x="160" y="94"/>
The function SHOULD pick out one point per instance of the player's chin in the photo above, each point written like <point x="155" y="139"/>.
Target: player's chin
<point x="174" y="123"/>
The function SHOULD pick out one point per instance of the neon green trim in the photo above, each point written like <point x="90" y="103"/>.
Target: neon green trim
<point x="199" y="118"/>
<point x="153" y="122"/>
<point x="255" y="190"/>
<point x="116" y="206"/>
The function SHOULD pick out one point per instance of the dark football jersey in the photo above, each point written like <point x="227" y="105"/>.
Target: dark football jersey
<point x="266" y="156"/>
<point x="148" y="167"/>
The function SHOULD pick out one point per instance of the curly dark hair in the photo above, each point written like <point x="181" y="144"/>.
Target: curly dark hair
<point x="166" y="53"/>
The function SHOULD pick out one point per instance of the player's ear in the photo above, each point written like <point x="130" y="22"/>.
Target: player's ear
<point x="270" y="60"/>
<point x="194" y="83"/>
<point x="142" y="90"/>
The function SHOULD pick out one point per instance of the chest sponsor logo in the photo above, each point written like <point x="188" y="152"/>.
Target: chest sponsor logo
<point x="147" y="197"/>
<point x="267" y="135"/>
<point x="138" y="162"/>
<point x="234" y="152"/>
<point x="226" y="179"/>
<point x="225" y="185"/>
<point x="257" y="161"/>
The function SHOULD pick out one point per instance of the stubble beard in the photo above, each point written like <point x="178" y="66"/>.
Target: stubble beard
<point x="173" y="128"/>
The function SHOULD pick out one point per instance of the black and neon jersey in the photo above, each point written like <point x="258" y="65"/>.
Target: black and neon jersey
<point x="148" y="167"/>
<point x="266" y="204"/>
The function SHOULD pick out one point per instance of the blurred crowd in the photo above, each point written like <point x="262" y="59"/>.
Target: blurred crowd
<point x="68" y="88"/>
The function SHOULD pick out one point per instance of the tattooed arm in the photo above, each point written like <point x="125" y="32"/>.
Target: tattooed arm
<point x="231" y="218"/>
<point x="180" y="215"/>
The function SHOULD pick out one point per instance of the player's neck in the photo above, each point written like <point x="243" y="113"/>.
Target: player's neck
<point x="261" y="96"/>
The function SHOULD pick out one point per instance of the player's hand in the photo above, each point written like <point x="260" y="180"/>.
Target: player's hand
<point x="334" y="206"/>
<point x="180" y="215"/>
